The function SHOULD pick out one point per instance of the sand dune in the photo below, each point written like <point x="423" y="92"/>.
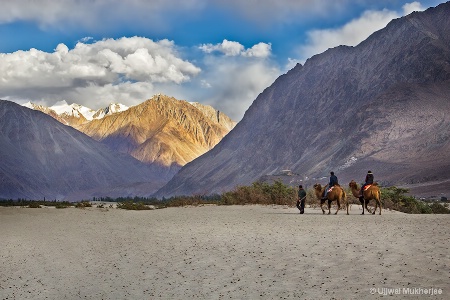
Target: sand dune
<point x="225" y="252"/>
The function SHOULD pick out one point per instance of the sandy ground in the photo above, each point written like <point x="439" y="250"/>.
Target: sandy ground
<point x="226" y="252"/>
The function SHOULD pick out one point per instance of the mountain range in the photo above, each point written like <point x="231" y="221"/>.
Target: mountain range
<point x="162" y="130"/>
<point x="42" y="158"/>
<point x="382" y="105"/>
<point x="76" y="114"/>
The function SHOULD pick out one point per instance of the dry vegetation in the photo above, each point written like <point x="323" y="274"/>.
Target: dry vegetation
<point x="392" y="198"/>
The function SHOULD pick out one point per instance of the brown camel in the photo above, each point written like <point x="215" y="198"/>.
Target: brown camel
<point x="373" y="192"/>
<point x="336" y="194"/>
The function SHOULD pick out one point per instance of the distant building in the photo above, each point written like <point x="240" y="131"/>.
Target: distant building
<point x="286" y="173"/>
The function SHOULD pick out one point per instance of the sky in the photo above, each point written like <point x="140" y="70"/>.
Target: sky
<point x="222" y="53"/>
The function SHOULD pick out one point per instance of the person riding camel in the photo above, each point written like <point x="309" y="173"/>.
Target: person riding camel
<point x="368" y="181"/>
<point x="333" y="182"/>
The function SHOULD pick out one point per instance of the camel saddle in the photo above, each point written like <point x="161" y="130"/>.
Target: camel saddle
<point x="367" y="187"/>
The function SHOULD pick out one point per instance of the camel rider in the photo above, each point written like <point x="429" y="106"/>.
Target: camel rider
<point x="369" y="180"/>
<point x="333" y="182"/>
<point x="301" y="199"/>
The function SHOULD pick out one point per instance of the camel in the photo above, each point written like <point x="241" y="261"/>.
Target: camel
<point x="336" y="194"/>
<point x="373" y="192"/>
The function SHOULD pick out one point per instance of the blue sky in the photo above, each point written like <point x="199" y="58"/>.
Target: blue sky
<point x="217" y="52"/>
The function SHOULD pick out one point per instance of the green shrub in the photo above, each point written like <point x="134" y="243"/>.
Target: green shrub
<point x="83" y="204"/>
<point x="130" y="205"/>
<point x="438" y="208"/>
<point x="63" y="204"/>
<point x="261" y="193"/>
<point x="34" y="204"/>
<point x="395" y="198"/>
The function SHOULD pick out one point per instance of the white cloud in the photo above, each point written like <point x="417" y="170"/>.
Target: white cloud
<point x="121" y="67"/>
<point x="410" y="7"/>
<point x="231" y="48"/>
<point x="234" y="82"/>
<point x="260" y="50"/>
<point x="353" y="32"/>
<point x="228" y="48"/>
<point x="350" y="34"/>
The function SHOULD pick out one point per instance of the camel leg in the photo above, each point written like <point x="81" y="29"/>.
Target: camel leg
<point x="377" y="204"/>
<point x="321" y="206"/>
<point x="367" y="208"/>
<point x="329" y="206"/>
<point x="363" y="203"/>
<point x="338" y="206"/>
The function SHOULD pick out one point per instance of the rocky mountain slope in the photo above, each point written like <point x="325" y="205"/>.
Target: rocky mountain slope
<point x="40" y="157"/>
<point x="382" y="105"/>
<point x="162" y="131"/>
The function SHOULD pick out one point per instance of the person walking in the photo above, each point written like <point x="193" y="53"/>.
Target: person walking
<point x="301" y="199"/>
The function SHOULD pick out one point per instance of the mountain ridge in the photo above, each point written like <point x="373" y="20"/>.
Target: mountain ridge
<point x="349" y="109"/>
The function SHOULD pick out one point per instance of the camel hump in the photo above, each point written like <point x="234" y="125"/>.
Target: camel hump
<point x="375" y="183"/>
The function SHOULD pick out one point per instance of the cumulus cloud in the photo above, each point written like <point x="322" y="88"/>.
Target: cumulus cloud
<point x="228" y="48"/>
<point x="231" y="48"/>
<point x="260" y="50"/>
<point x="107" y="65"/>
<point x="410" y="7"/>
<point x="230" y="84"/>
<point x="353" y="32"/>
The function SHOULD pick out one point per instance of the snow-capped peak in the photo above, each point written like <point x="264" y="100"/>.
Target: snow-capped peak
<point x="112" y="108"/>
<point x="74" y="109"/>
<point x="62" y="108"/>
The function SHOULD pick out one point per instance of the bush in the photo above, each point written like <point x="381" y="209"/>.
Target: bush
<point x="439" y="208"/>
<point x="133" y="206"/>
<point x="34" y="204"/>
<point x="395" y="198"/>
<point x="261" y="193"/>
<point x="63" y="204"/>
<point x="83" y="204"/>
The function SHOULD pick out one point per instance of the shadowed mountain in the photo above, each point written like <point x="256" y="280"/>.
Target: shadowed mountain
<point x="40" y="157"/>
<point x="382" y="105"/>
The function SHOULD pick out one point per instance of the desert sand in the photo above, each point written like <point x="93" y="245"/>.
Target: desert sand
<point x="222" y="252"/>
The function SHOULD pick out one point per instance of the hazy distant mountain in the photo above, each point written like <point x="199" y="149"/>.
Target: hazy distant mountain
<point x="382" y="106"/>
<point x="40" y="157"/>
<point x="162" y="130"/>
